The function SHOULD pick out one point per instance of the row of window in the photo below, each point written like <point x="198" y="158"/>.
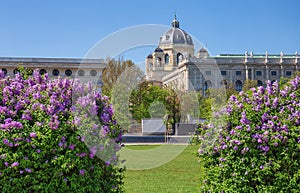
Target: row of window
<point x="56" y="72"/>
<point x="258" y="73"/>
<point x="238" y="84"/>
<point x="179" y="58"/>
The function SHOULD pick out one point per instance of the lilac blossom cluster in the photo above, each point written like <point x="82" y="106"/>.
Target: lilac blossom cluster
<point x="259" y="144"/>
<point x="39" y="130"/>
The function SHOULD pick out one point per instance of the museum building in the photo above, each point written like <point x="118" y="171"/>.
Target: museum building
<point x="174" y="63"/>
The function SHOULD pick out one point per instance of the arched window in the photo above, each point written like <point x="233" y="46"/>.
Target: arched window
<point x="178" y="58"/>
<point x="4" y="71"/>
<point x="224" y="83"/>
<point x="167" y="58"/>
<point x="207" y="85"/>
<point x="43" y="71"/>
<point x="68" y="72"/>
<point x="55" y="72"/>
<point x="238" y="85"/>
<point x="150" y="66"/>
<point x="158" y="61"/>
<point x="259" y="83"/>
<point x="16" y="71"/>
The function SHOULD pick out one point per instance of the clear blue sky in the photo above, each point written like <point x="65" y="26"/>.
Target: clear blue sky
<point x="65" y="28"/>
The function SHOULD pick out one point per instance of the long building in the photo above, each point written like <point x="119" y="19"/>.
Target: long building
<point x="84" y="69"/>
<point x="174" y="63"/>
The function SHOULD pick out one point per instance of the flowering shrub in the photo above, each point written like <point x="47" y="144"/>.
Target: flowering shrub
<point x="45" y="142"/>
<point x="258" y="147"/>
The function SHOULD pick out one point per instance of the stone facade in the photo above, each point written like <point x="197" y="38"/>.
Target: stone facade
<point x="174" y="63"/>
<point x="84" y="69"/>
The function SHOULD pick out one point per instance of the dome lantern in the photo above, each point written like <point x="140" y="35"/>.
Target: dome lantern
<point x="175" y="22"/>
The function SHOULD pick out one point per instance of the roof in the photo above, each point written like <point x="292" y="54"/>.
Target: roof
<point x="176" y="36"/>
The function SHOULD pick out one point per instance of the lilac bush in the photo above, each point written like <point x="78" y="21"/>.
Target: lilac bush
<point x="44" y="143"/>
<point x="258" y="147"/>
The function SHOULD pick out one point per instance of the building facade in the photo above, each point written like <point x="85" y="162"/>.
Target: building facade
<point x="174" y="63"/>
<point x="84" y="69"/>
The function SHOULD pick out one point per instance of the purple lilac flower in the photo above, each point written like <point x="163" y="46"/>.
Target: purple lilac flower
<point x="200" y="151"/>
<point x="237" y="142"/>
<point x="261" y="167"/>
<point x="26" y="117"/>
<point x="18" y="139"/>
<point x="105" y="129"/>
<point x="244" y="150"/>
<point x="235" y="148"/>
<point x="244" y="119"/>
<point x="28" y="170"/>
<point x="33" y="135"/>
<point x="91" y="155"/>
<point x="265" y="148"/>
<point x="65" y="179"/>
<point x="223" y="146"/>
<point x="38" y="151"/>
<point x="216" y="149"/>
<point x="107" y="163"/>
<point x="38" y="124"/>
<point x="5" y="141"/>
<point x="240" y="106"/>
<point x="239" y="127"/>
<point x="105" y="118"/>
<point x="94" y="109"/>
<point x="81" y="172"/>
<point x="21" y="171"/>
<point x="72" y="146"/>
<point x="15" y="164"/>
<point x="293" y="95"/>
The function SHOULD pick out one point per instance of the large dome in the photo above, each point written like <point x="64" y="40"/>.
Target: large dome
<point x="175" y="35"/>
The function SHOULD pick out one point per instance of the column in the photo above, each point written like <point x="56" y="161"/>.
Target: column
<point x="246" y="68"/>
<point x="267" y="72"/>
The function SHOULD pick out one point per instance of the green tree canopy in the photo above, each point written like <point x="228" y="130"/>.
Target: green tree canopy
<point x="112" y="72"/>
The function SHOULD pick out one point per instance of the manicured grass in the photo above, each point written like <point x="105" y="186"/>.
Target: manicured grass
<point x="182" y="174"/>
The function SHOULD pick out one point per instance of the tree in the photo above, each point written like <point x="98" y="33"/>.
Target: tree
<point x="112" y="72"/>
<point x="249" y="84"/>
<point x="204" y="106"/>
<point x="173" y="109"/>
<point x="147" y="101"/>
<point x="230" y="90"/>
<point x="152" y="101"/>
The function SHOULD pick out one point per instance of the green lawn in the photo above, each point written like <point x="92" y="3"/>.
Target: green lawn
<point x="180" y="175"/>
